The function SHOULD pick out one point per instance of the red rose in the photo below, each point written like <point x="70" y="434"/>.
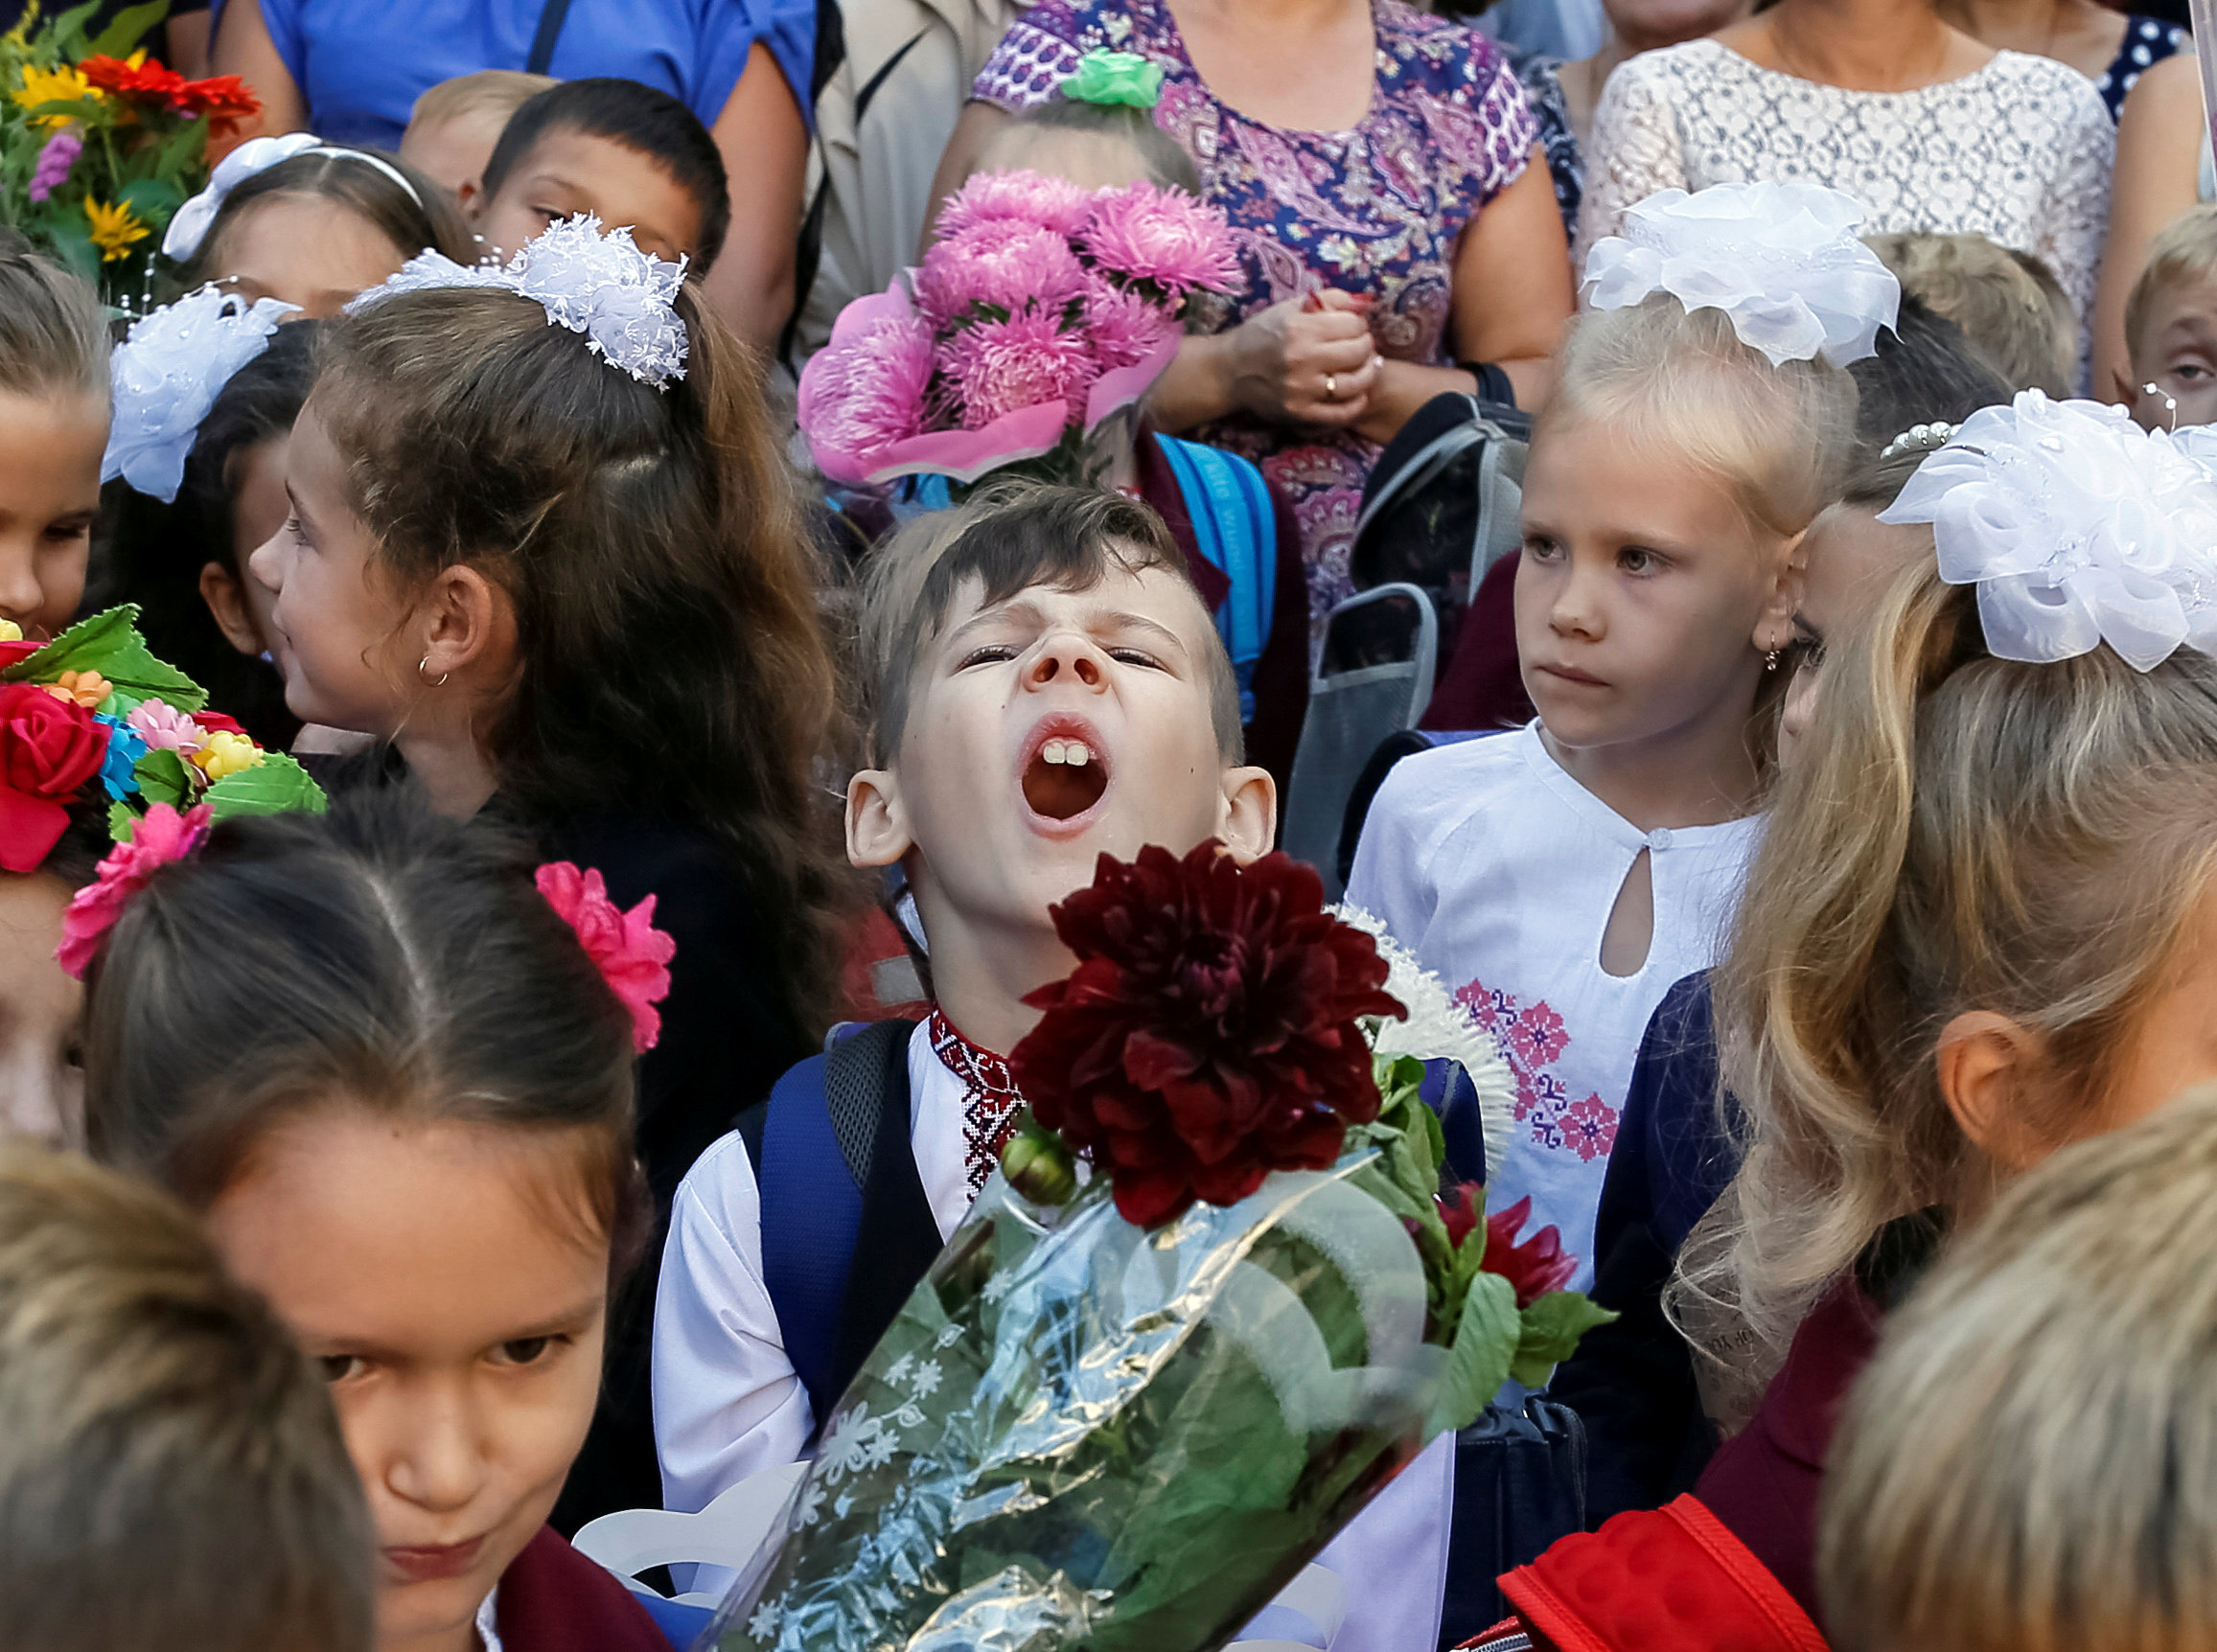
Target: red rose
<point x="19" y="648"/>
<point x="216" y="722"/>
<point x="49" y="749"/>
<point x="1533" y="1267"/>
<point x="1208" y="1035"/>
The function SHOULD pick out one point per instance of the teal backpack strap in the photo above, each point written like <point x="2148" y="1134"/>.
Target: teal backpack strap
<point x="1237" y="531"/>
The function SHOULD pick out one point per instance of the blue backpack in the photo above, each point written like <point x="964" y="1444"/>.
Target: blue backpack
<point x="1236" y="529"/>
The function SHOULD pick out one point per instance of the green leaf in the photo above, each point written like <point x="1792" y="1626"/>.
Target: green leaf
<point x="120" y="822"/>
<point x="274" y="785"/>
<point x="127" y="28"/>
<point x="162" y="778"/>
<point x="1486" y="1343"/>
<point x="155" y="200"/>
<point x="109" y="643"/>
<point x="67" y="30"/>
<point x="1551" y="1327"/>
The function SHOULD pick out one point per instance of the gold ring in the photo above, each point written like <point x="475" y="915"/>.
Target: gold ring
<point x="1331" y="388"/>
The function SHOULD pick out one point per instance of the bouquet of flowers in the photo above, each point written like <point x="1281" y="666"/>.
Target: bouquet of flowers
<point x="99" y="145"/>
<point x="1122" y="1411"/>
<point x="1044" y="309"/>
<point x="93" y="721"/>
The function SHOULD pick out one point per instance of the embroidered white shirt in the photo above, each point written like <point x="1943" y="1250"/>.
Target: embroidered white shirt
<point x="728" y="1404"/>
<point x="1500" y="871"/>
<point x="2018" y="152"/>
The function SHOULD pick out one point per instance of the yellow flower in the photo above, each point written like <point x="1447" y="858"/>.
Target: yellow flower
<point x="226" y="753"/>
<point x="62" y="85"/>
<point x="89" y="688"/>
<point x="114" y="229"/>
<point x="9" y="630"/>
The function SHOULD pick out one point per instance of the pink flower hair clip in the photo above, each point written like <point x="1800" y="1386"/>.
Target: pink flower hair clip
<point x="633" y="954"/>
<point x="158" y="838"/>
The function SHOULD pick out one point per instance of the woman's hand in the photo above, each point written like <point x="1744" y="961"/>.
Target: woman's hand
<point x="1307" y="361"/>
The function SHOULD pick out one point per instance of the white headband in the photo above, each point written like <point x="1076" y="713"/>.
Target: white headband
<point x="1780" y="260"/>
<point x="189" y="229"/>
<point x="2077" y="527"/>
<point x="602" y="285"/>
<point x="168" y="374"/>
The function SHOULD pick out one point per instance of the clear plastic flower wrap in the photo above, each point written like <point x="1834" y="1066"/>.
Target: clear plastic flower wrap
<point x="1127" y="1435"/>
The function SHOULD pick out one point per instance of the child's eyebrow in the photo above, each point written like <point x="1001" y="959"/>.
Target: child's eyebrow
<point x="555" y="1324"/>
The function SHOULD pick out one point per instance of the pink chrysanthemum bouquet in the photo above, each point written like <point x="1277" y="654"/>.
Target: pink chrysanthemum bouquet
<point x="1044" y="309"/>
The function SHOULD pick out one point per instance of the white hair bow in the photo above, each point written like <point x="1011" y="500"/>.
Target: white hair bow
<point x="1780" y="260"/>
<point x="2077" y="527"/>
<point x="623" y="299"/>
<point x="167" y="375"/>
<point x="189" y="229"/>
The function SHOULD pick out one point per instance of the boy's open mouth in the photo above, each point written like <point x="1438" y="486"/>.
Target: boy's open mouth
<point x="1067" y="772"/>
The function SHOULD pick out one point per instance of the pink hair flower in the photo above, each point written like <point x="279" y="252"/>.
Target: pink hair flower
<point x="165" y="728"/>
<point x="161" y="835"/>
<point x="633" y="954"/>
<point x="1162" y="236"/>
<point x="1010" y="267"/>
<point x="1000" y="367"/>
<point x="1020" y="197"/>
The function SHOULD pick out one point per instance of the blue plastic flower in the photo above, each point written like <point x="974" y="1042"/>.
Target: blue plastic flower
<point x="125" y="749"/>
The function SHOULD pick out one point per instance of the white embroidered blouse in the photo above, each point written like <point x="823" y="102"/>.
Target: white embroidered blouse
<point x="2018" y="152"/>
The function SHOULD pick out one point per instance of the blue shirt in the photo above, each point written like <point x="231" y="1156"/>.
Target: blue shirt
<point x="361" y="67"/>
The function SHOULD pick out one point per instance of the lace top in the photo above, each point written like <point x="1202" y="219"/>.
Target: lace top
<point x="1376" y="210"/>
<point x="2018" y="152"/>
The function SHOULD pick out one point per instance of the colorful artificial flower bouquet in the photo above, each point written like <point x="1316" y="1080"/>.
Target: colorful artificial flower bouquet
<point x="1122" y="1411"/>
<point x="1043" y="309"/>
<point x="99" y="145"/>
<point x="92" y="721"/>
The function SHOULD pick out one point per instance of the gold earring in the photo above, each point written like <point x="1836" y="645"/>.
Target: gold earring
<point x="443" y="674"/>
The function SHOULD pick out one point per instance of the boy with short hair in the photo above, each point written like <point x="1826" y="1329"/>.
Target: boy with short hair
<point x="172" y="1472"/>
<point x="2171" y="326"/>
<point x="2007" y="303"/>
<point x="455" y="125"/>
<point x="1044" y="685"/>
<point x="635" y="157"/>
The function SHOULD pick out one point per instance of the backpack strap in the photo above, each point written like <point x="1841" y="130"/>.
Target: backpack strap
<point x="1237" y="531"/>
<point x="835" y="1127"/>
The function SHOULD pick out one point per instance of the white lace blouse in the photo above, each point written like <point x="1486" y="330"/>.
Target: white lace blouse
<point x="2018" y="152"/>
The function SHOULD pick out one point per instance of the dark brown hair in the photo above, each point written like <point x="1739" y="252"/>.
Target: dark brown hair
<point x="171" y="1471"/>
<point x="1011" y="538"/>
<point x="420" y="216"/>
<point x="377" y="956"/>
<point x="671" y="656"/>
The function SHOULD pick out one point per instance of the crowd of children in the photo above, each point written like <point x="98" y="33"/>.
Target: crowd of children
<point x="411" y="1182"/>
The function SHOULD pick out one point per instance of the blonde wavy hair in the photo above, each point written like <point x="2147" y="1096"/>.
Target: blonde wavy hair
<point x="2029" y="1464"/>
<point x="1960" y="833"/>
<point x="1780" y="437"/>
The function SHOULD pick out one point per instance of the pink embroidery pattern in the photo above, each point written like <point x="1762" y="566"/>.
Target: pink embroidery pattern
<point x="1533" y="1038"/>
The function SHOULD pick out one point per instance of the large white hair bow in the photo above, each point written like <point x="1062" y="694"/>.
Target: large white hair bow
<point x="1780" y="260"/>
<point x="602" y="285"/>
<point x="190" y="228"/>
<point x="2077" y="527"/>
<point x="167" y="375"/>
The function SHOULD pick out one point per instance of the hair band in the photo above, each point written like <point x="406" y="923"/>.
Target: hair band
<point x="188" y="230"/>
<point x="1919" y="438"/>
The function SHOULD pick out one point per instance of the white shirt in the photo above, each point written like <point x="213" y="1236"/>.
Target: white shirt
<point x="728" y="1404"/>
<point x="1500" y="871"/>
<point x="2018" y="152"/>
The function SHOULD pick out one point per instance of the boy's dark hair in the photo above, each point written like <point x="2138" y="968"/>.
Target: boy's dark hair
<point x="53" y="332"/>
<point x="155" y="552"/>
<point x="1011" y="538"/>
<point x="172" y="1474"/>
<point x="1925" y="371"/>
<point x="414" y="217"/>
<point x="672" y="657"/>
<point x="378" y="955"/>
<point x="641" y="118"/>
<point x="1166" y="158"/>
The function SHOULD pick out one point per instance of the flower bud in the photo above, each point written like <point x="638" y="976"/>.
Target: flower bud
<point x="1039" y="1166"/>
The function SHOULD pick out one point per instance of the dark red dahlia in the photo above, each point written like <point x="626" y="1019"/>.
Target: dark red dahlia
<point x="1208" y="1035"/>
<point x="1536" y="1266"/>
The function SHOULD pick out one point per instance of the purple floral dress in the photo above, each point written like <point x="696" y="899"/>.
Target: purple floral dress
<point x="1376" y="210"/>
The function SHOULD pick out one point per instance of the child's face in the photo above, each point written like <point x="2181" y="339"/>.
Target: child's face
<point x="305" y="250"/>
<point x="242" y="604"/>
<point x="50" y="452"/>
<point x="1112" y="681"/>
<point x="1853" y="558"/>
<point x="568" y="172"/>
<point x="2177" y="352"/>
<point x="333" y="626"/>
<point x="1645" y="598"/>
<point x="453" y="154"/>
<point x="459" y="1316"/>
<point x="41" y="1080"/>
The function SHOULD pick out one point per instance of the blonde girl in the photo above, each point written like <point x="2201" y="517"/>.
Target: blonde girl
<point x="1563" y="876"/>
<point x="1982" y="924"/>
